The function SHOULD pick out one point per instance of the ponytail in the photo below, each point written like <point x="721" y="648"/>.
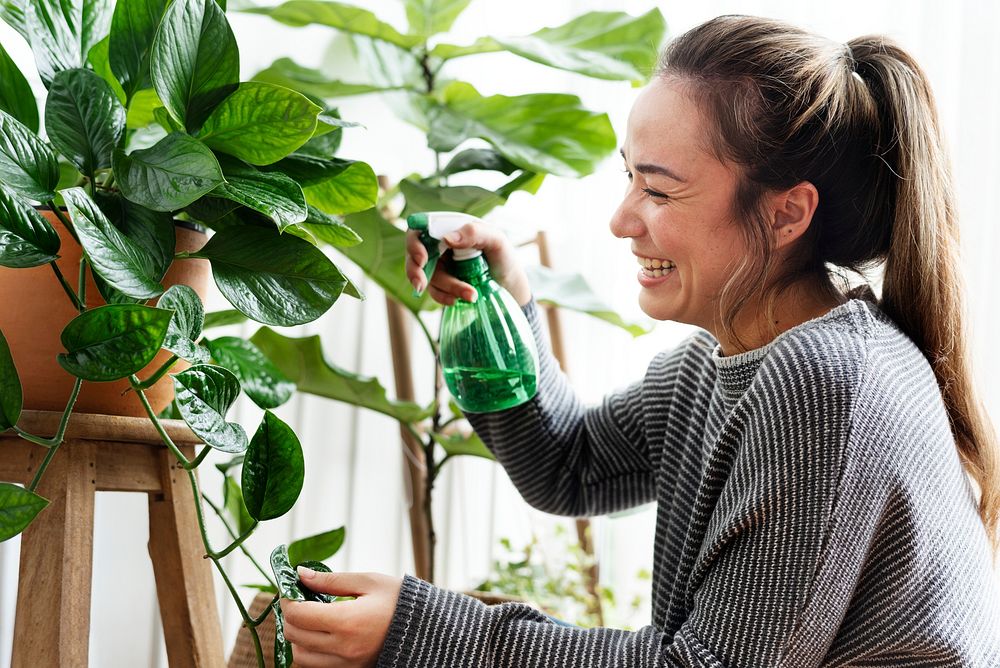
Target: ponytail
<point x="922" y="288"/>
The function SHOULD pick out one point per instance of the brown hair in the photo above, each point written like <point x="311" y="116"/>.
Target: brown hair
<point x="859" y="122"/>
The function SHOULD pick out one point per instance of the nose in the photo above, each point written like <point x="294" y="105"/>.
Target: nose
<point x="625" y="224"/>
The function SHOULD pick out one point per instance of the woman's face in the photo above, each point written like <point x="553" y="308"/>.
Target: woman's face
<point x="677" y="208"/>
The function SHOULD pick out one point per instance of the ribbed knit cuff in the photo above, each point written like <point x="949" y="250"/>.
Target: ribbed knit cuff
<point x="398" y="646"/>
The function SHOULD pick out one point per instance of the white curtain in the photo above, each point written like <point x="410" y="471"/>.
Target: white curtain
<point x="354" y="462"/>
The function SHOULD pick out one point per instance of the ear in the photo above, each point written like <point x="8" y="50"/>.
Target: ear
<point x="793" y="212"/>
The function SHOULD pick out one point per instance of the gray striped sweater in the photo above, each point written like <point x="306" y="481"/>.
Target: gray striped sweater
<point x="811" y="511"/>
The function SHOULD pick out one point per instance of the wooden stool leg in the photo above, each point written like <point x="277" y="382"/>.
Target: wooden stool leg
<point x="52" y="624"/>
<point x="191" y="627"/>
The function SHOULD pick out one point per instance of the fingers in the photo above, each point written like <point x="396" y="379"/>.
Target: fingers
<point x="317" y="641"/>
<point x="416" y="258"/>
<point x="308" y="615"/>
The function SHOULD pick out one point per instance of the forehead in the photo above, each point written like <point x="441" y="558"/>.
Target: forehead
<point x="665" y="122"/>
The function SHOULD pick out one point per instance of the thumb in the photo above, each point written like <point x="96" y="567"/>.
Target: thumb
<point x="338" y="584"/>
<point x="474" y="236"/>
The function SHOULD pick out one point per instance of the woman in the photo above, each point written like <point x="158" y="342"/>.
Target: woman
<point x="805" y="450"/>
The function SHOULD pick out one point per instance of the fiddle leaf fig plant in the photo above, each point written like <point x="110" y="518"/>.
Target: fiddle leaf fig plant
<point x="147" y="126"/>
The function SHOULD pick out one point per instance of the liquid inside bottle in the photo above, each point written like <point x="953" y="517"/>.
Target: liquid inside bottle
<point x="487" y="350"/>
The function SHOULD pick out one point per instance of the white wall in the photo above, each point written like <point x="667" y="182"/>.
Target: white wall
<point x="354" y="462"/>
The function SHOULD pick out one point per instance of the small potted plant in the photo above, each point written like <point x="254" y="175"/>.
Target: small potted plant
<point x="157" y="166"/>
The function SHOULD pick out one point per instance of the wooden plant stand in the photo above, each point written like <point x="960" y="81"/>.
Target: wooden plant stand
<point x="113" y="454"/>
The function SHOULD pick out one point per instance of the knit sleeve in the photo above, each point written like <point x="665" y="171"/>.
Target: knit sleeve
<point x="568" y="459"/>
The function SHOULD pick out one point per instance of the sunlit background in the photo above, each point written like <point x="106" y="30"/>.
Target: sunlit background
<point x="354" y="461"/>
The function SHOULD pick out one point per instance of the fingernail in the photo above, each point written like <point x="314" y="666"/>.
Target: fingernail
<point x="453" y="238"/>
<point x="306" y="573"/>
<point x="472" y="297"/>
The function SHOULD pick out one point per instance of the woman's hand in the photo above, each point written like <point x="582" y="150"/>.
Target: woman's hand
<point x="344" y="634"/>
<point x="500" y="255"/>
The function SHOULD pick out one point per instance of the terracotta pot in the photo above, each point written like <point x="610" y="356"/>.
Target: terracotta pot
<point x="35" y="309"/>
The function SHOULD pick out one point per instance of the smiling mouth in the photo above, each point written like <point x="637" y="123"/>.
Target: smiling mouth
<point x="655" y="267"/>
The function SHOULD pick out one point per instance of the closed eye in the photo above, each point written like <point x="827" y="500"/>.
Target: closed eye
<point x="648" y="191"/>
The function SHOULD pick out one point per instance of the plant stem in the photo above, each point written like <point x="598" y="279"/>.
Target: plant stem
<point x="236" y="543"/>
<point x="134" y="382"/>
<point x="243" y="548"/>
<point x="63" y="219"/>
<point x="54" y="442"/>
<point x="200" y="458"/>
<point x="247" y="620"/>
<point x="431" y="341"/>
<point x="81" y="282"/>
<point x="257" y="621"/>
<point x="65" y="286"/>
<point x="158" y="374"/>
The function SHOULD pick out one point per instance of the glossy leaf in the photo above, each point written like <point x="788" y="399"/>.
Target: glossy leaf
<point x="84" y="119"/>
<point x="262" y="381"/>
<point x="478" y="159"/>
<point x="26" y="237"/>
<point x="141" y="107"/>
<point x="319" y="567"/>
<point x="232" y="498"/>
<point x="382" y="257"/>
<point x="12" y="13"/>
<point x="223" y="318"/>
<point x="334" y="186"/>
<point x="302" y="361"/>
<point x="173" y="173"/>
<point x="430" y="17"/>
<point x="544" y="132"/>
<point x="204" y="394"/>
<point x="28" y="166"/>
<point x="284" y="574"/>
<point x="114" y="341"/>
<point x="286" y="72"/>
<point x="98" y="59"/>
<point x="260" y="123"/>
<point x="152" y="231"/>
<point x="11" y="398"/>
<point x="194" y="62"/>
<point x="463" y="444"/>
<point x="283" y="656"/>
<point x="133" y="26"/>
<point x="331" y="229"/>
<point x="605" y="45"/>
<point x="62" y="32"/>
<point x="473" y="200"/>
<point x="115" y="257"/>
<point x="271" y="193"/>
<point x="18" y="507"/>
<point x="570" y="290"/>
<point x="185" y="327"/>
<point x="273" y="471"/>
<point x="481" y="45"/>
<point x="16" y="97"/>
<point x="341" y="16"/>
<point x="292" y="284"/>
<point x="316" y="548"/>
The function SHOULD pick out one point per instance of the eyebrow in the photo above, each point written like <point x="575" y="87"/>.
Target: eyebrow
<point x="654" y="169"/>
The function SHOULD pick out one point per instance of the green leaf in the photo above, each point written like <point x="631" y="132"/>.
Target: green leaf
<point x="12" y="13"/>
<point x="235" y="461"/>
<point x="112" y="342"/>
<point x="544" y="132"/>
<point x="481" y="45"/>
<point x="605" y="45"/>
<point x="341" y="16"/>
<point x="316" y="548"/>
<point x="285" y="72"/>
<point x="195" y="62"/>
<point x="232" y="498"/>
<point x="334" y="186"/>
<point x="570" y="290"/>
<point x="84" y="119"/>
<point x="283" y="656"/>
<point x="383" y="256"/>
<point x="463" y="444"/>
<point x="16" y="97"/>
<point x="10" y="388"/>
<point x="319" y="567"/>
<point x="223" y="318"/>
<point x="272" y="278"/>
<point x="18" y="507"/>
<point x="62" y="32"/>
<point x="133" y="27"/>
<point x="273" y="471"/>
<point x="98" y="59"/>
<point x="26" y="238"/>
<point x="152" y="231"/>
<point x="467" y="199"/>
<point x="271" y="193"/>
<point x="260" y="378"/>
<point x="204" y="394"/>
<point x="115" y="257"/>
<point x="284" y="575"/>
<point x="430" y="17"/>
<point x="478" y="158"/>
<point x="27" y="165"/>
<point x="260" y="123"/>
<point x="185" y="327"/>
<point x="141" y="108"/>
<point x="168" y="176"/>
<point x="330" y="229"/>
<point x="162" y="116"/>
<point x="302" y="361"/>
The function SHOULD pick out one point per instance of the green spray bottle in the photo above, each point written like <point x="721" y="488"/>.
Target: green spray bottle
<point x="488" y="353"/>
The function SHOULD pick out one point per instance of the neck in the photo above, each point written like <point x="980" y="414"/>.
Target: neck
<point x="754" y="328"/>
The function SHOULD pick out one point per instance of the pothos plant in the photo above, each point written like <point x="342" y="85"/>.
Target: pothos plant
<point x="513" y="140"/>
<point x="146" y="122"/>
